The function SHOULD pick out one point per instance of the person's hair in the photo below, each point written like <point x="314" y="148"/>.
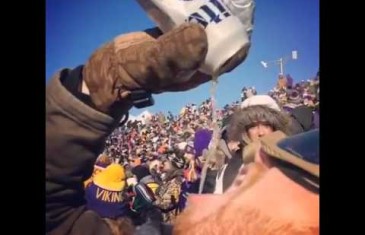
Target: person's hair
<point x="243" y="119"/>
<point x="120" y="226"/>
<point x="105" y="159"/>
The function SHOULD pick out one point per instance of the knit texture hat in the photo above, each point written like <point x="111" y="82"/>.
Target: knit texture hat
<point x="104" y="195"/>
<point x="112" y="178"/>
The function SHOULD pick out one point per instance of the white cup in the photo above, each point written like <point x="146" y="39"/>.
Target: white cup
<point x="226" y="32"/>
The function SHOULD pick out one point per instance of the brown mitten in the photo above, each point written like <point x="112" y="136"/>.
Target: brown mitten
<point x="139" y="61"/>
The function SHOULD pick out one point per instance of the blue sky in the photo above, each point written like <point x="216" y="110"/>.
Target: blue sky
<point x="74" y="29"/>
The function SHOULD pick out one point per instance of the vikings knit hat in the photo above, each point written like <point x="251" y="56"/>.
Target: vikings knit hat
<point x="100" y="164"/>
<point x="260" y="100"/>
<point x="112" y="178"/>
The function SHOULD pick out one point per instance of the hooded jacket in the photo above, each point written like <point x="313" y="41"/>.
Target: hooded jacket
<point x="75" y="134"/>
<point x="237" y="129"/>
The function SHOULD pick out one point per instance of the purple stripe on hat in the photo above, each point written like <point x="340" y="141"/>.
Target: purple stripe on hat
<point x="108" y="204"/>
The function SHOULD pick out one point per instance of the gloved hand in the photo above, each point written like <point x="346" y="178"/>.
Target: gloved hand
<point x="225" y="52"/>
<point x="139" y="61"/>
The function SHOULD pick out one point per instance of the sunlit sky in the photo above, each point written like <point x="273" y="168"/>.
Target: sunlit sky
<point x="74" y="29"/>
